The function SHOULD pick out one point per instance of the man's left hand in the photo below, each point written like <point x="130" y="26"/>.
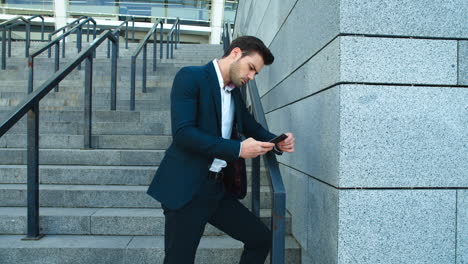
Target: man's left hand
<point x="287" y="145"/>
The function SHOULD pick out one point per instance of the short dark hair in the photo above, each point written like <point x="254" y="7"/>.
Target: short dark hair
<point x="250" y="44"/>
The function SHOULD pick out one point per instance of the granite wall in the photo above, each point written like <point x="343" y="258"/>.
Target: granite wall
<point x="376" y="93"/>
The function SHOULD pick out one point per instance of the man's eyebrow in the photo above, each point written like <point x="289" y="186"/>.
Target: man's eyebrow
<point x="255" y="69"/>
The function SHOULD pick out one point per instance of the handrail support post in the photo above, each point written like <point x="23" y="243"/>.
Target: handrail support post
<point x="49" y="50"/>
<point x="155" y="35"/>
<point x="78" y="43"/>
<point x="57" y="61"/>
<point x="126" y="34"/>
<point x="108" y="48"/>
<point x="9" y="43"/>
<point x="28" y="38"/>
<point x="87" y="31"/>
<point x="256" y="186"/>
<point x="31" y="74"/>
<point x="145" y="56"/>
<point x="115" y="47"/>
<point x="161" y="40"/>
<point x="167" y="46"/>
<point x="278" y="227"/>
<point x="172" y="46"/>
<point x="63" y="46"/>
<point x="133" y="29"/>
<point x="4" y="48"/>
<point x="88" y="99"/>
<point x="132" y="84"/>
<point x="33" y="173"/>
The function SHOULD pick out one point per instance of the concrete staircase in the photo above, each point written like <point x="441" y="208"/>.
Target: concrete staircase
<point x="94" y="207"/>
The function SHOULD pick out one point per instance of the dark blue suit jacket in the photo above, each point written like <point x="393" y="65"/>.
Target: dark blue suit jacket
<point x="196" y="133"/>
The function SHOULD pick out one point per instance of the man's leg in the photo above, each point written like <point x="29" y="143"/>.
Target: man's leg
<point x="236" y="220"/>
<point x="184" y="226"/>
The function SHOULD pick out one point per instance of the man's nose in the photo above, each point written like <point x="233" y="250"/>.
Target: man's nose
<point x="251" y="76"/>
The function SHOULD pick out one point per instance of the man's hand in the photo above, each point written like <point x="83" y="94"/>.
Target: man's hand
<point x="252" y="148"/>
<point x="287" y="145"/>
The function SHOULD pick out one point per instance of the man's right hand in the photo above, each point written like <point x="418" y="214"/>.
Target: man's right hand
<point x="252" y="148"/>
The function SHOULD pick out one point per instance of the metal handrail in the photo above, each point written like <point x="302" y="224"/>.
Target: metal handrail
<point x="56" y="43"/>
<point x="140" y="47"/>
<point x="9" y="27"/>
<point x="17" y="23"/>
<point x="78" y="28"/>
<point x="71" y="24"/>
<point x="278" y="212"/>
<point x="76" y="21"/>
<point x="226" y="35"/>
<point x="97" y="14"/>
<point x="30" y="106"/>
<point x="116" y="32"/>
<point x="170" y="38"/>
<point x="4" y="26"/>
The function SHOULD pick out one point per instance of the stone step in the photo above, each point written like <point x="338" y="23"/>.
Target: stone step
<point x="99" y="103"/>
<point x="89" y="175"/>
<point x="94" y="157"/>
<point x="122" y="42"/>
<point x="98" y="128"/>
<point x="150" y="100"/>
<point x="99" y="108"/>
<point x="100" y="116"/>
<point x="71" y="53"/>
<point x="100" y="77"/>
<point x="100" y="221"/>
<point x="154" y="84"/>
<point x="19" y="83"/>
<point x="122" y="250"/>
<point x="124" y="58"/>
<point x="101" y="196"/>
<point x="70" y="50"/>
<point x="81" y="175"/>
<point x="156" y="89"/>
<point x="18" y="50"/>
<point x="99" y="93"/>
<point x="60" y="141"/>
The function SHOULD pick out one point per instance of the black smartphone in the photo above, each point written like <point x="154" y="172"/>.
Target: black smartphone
<point x="278" y="139"/>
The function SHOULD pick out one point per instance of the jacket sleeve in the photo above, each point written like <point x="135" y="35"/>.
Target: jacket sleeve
<point x="252" y="128"/>
<point x="255" y="130"/>
<point x="184" y="109"/>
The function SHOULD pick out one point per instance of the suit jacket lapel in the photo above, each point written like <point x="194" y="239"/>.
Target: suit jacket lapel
<point x="238" y="110"/>
<point x="215" y="91"/>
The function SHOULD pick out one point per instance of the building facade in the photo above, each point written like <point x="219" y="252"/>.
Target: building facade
<point x="376" y="94"/>
<point x="199" y="17"/>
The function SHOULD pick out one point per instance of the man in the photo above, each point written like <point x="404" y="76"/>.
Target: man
<point x="208" y="115"/>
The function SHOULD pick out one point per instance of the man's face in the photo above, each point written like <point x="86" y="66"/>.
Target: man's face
<point x="245" y="68"/>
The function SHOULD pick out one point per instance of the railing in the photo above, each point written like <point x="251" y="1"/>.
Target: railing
<point x="140" y="47"/>
<point x="226" y="35"/>
<point x="30" y="106"/>
<point x="63" y="29"/>
<point x="56" y="43"/>
<point x="7" y="25"/>
<point x="20" y="22"/>
<point x="171" y="39"/>
<point x="68" y="25"/>
<point x="79" y="28"/>
<point x="117" y="33"/>
<point x="166" y="19"/>
<point x="278" y="212"/>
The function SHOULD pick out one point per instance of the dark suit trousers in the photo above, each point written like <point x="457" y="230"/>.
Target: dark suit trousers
<point x="184" y="227"/>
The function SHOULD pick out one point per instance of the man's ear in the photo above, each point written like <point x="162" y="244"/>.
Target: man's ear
<point x="236" y="53"/>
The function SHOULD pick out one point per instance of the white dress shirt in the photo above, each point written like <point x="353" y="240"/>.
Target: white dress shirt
<point x="227" y="116"/>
